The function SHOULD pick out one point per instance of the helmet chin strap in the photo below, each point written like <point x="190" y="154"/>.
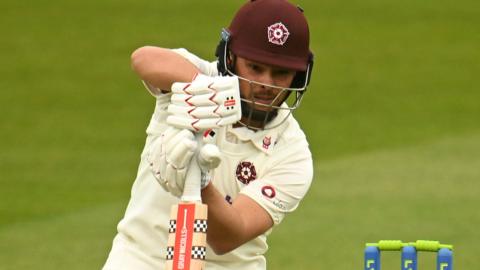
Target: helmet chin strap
<point x="258" y="116"/>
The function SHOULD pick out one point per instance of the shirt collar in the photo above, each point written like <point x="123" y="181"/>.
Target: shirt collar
<point x="264" y="140"/>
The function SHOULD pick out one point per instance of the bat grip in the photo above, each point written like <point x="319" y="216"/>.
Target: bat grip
<point x="193" y="180"/>
<point x="191" y="190"/>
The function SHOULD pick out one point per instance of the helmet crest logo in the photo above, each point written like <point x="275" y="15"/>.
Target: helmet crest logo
<point x="278" y="33"/>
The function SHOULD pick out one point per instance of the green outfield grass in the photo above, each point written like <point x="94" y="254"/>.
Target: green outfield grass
<point x="392" y="116"/>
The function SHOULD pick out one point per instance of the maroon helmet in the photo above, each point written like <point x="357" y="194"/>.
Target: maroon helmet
<point x="272" y="32"/>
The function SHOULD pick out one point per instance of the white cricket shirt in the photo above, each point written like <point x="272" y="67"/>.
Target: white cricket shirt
<point x="272" y="167"/>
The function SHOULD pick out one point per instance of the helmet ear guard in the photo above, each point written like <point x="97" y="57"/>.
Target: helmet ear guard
<point x="302" y="78"/>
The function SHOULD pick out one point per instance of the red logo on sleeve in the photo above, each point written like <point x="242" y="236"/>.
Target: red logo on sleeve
<point x="268" y="191"/>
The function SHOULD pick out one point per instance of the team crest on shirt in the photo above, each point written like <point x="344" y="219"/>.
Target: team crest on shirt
<point x="266" y="142"/>
<point x="246" y="172"/>
<point x="278" y="33"/>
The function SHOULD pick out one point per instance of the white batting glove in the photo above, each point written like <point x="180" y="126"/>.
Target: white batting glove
<point x="170" y="158"/>
<point x="206" y="102"/>
<point x="208" y="158"/>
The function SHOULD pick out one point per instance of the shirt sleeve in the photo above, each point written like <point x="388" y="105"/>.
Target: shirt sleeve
<point x="281" y="189"/>
<point x="205" y="67"/>
<point x="158" y="122"/>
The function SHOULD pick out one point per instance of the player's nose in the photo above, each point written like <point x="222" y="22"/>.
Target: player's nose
<point x="266" y="78"/>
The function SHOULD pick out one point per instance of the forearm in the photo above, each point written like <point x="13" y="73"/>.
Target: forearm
<point x="225" y="227"/>
<point x="231" y="225"/>
<point x="161" y="67"/>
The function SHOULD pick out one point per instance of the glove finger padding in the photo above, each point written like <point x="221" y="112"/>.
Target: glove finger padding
<point x="198" y="86"/>
<point x="175" y="137"/>
<point x="170" y="133"/>
<point x="179" y="155"/>
<point x="205" y="98"/>
<point x="182" y="154"/>
<point x="195" y="124"/>
<point x="157" y="161"/>
<point x="193" y="100"/>
<point x="170" y="157"/>
<point x="172" y="186"/>
<point x="185" y="122"/>
<point x="181" y="148"/>
<point x="200" y="112"/>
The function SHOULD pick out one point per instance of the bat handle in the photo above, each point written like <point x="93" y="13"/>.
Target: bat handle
<point x="193" y="180"/>
<point x="191" y="190"/>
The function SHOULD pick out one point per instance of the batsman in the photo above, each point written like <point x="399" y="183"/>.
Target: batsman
<point x="227" y="127"/>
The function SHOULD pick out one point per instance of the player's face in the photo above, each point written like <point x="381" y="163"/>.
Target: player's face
<point x="263" y="94"/>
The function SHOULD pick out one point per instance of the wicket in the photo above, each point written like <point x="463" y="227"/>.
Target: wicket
<point x="409" y="253"/>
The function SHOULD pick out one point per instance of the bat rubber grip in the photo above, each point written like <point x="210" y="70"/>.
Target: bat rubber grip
<point x="191" y="190"/>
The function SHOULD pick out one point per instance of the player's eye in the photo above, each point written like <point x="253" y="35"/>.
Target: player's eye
<point x="255" y="68"/>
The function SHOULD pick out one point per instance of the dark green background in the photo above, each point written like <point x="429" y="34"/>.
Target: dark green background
<point x="392" y="115"/>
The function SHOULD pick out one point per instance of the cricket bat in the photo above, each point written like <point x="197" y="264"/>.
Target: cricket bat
<point x="187" y="239"/>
